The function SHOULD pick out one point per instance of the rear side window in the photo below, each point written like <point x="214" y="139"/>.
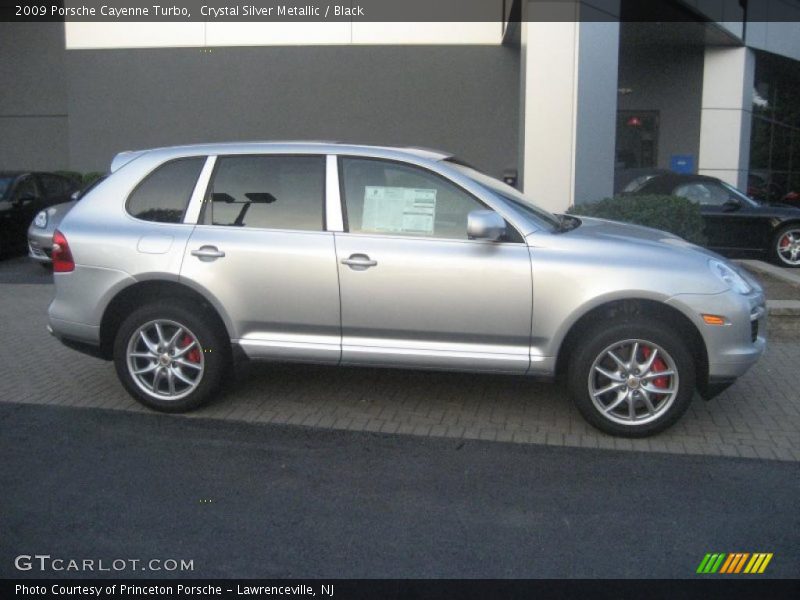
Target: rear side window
<point x="704" y="193"/>
<point x="268" y="192"/>
<point x="164" y="194"/>
<point x="55" y="186"/>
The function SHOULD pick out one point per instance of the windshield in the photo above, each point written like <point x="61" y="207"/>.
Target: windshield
<point x="5" y="185"/>
<point x="541" y="217"/>
<point x="737" y="194"/>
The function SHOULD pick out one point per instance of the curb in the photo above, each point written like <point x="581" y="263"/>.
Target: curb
<point x="783" y="316"/>
<point x="783" y="319"/>
<point x="768" y="269"/>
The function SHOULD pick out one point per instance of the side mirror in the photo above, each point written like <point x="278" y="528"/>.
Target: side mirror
<point x="23" y="200"/>
<point x="75" y="195"/>
<point x="731" y="205"/>
<point x="485" y="225"/>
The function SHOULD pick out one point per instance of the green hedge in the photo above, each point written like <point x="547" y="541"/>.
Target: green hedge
<point x="668" y="213"/>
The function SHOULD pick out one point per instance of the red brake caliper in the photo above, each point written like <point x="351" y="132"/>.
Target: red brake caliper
<point x="658" y="366"/>
<point x="785" y="242"/>
<point x="194" y="353"/>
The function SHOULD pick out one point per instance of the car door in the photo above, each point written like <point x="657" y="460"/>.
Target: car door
<point x="415" y="291"/>
<point x="261" y="250"/>
<point x="26" y="201"/>
<point x="732" y="223"/>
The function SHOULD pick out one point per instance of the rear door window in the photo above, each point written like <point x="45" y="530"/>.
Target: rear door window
<point x="267" y="192"/>
<point x="164" y="194"/>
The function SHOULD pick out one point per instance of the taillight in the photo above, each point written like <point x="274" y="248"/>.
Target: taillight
<point x="62" y="257"/>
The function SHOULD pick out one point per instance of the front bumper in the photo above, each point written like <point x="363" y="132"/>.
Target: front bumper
<point x="737" y="345"/>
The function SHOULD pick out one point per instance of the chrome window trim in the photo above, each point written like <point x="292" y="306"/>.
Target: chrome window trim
<point x="198" y="195"/>
<point x="333" y="202"/>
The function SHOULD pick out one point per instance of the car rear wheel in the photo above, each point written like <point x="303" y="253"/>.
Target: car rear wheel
<point x="786" y="246"/>
<point x="632" y="378"/>
<point x="169" y="357"/>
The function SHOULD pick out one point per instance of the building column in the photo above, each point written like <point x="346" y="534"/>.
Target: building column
<point x="726" y="117"/>
<point x="568" y="102"/>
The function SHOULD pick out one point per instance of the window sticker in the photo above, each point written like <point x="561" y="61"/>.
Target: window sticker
<point x="399" y="210"/>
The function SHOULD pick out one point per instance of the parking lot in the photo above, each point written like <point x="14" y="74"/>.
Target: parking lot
<point x="759" y="417"/>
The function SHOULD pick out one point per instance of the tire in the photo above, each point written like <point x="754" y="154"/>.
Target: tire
<point x="181" y="370"/>
<point x="623" y="409"/>
<point x="785" y="246"/>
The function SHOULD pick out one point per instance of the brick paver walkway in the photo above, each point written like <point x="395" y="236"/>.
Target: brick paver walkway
<point x="759" y="417"/>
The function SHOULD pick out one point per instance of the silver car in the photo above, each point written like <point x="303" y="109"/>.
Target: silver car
<point x="187" y="257"/>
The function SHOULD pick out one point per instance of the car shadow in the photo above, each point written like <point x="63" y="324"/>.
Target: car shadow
<point x="21" y="269"/>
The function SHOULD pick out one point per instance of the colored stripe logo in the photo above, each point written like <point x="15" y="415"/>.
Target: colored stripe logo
<point x="735" y="562"/>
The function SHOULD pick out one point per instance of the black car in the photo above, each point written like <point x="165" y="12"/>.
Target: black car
<point x="736" y="225"/>
<point x="22" y="195"/>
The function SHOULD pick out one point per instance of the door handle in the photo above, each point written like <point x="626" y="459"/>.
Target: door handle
<point x="359" y="262"/>
<point x="208" y="253"/>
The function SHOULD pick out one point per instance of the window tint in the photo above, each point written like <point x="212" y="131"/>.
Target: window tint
<point x="54" y="185"/>
<point x="27" y="188"/>
<point x="706" y="193"/>
<point x="5" y="185"/>
<point x="270" y="192"/>
<point x="163" y="195"/>
<point x="391" y="198"/>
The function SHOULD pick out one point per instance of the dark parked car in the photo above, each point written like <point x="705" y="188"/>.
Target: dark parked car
<point x="22" y="195"/>
<point x="43" y="226"/>
<point x="736" y="225"/>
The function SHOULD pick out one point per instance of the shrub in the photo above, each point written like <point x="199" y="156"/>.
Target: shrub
<point x="90" y="177"/>
<point x="73" y="175"/>
<point x="82" y="179"/>
<point x="668" y="213"/>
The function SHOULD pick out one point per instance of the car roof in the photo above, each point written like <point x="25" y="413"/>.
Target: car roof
<point x="670" y="180"/>
<point x="312" y="147"/>
<point x="622" y="177"/>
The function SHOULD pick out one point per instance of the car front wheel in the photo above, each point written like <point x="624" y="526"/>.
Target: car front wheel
<point x="632" y="378"/>
<point x="168" y="357"/>
<point x="786" y="246"/>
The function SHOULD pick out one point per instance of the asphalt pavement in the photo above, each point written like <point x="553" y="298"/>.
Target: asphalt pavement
<point x="269" y="501"/>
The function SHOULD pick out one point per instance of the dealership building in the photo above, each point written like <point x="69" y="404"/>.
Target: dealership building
<point x="558" y="100"/>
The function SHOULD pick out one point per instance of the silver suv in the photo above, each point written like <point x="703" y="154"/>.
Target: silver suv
<point x="187" y="257"/>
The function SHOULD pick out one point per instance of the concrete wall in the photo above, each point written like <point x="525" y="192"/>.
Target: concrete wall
<point x="668" y="79"/>
<point x="33" y="102"/>
<point x="464" y="99"/>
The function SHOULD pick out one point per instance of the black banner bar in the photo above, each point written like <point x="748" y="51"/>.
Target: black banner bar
<point x="287" y="11"/>
<point x="710" y="588"/>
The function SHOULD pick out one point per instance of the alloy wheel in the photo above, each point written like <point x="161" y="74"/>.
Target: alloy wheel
<point x="788" y="247"/>
<point x="633" y="382"/>
<point x="165" y="359"/>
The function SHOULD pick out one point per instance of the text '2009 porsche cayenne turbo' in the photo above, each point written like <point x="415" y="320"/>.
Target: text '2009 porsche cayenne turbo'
<point x="338" y="254"/>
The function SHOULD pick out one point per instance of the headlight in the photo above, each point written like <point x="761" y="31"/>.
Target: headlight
<point x="41" y="219"/>
<point x="734" y="281"/>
